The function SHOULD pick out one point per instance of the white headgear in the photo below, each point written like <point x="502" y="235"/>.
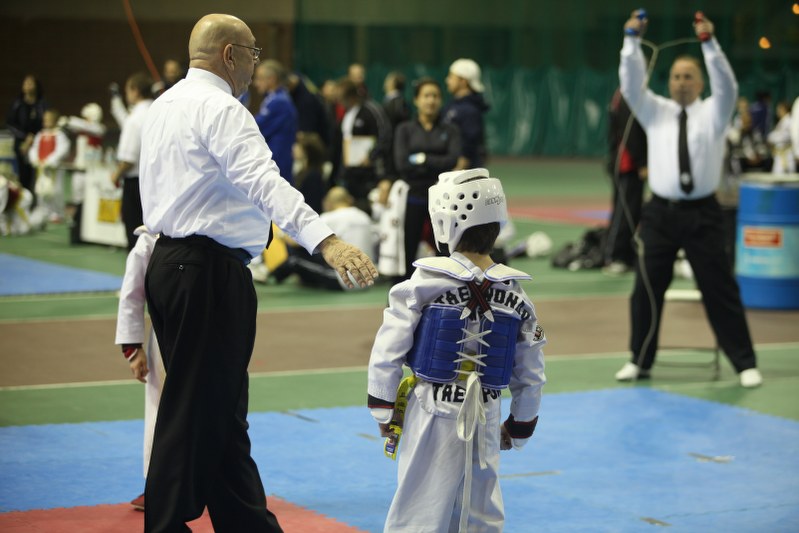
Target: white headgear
<point x="92" y="112"/>
<point x="463" y="199"/>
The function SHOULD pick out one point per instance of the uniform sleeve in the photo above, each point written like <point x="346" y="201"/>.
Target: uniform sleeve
<point x="33" y="151"/>
<point x="79" y="125"/>
<point x="528" y="376"/>
<point x="129" y="148"/>
<point x="118" y="110"/>
<point x="130" y="316"/>
<point x="393" y="341"/>
<point x="723" y="86"/>
<point x="61" y="151"/>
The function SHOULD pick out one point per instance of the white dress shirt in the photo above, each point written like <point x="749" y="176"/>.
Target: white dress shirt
<point x="659" y="116"/>
<point x="206" y="170"/>
<point x="130" y="137"/>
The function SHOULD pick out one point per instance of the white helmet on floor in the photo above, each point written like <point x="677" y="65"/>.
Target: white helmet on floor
<point x="463" y="199"/>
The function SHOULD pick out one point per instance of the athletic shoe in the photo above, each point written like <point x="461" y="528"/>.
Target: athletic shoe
<point x="616" y="268"/>
<point x="260" y="273"/>
<point x="631" y="372"/>
<point x="138" y="503"/>
<point x="750" y="378"/>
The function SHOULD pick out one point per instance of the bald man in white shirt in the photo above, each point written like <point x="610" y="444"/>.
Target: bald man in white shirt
<point x="209" y="186"/>
<point x="685" y="137"/>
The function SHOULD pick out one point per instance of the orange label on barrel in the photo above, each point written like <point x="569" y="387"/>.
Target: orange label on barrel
<point x="762" y="237"/>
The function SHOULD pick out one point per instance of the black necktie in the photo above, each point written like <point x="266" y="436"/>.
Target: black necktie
<point x="686" y="180"/>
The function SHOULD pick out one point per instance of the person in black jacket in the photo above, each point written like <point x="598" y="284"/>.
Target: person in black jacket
<point x="25" y="120"/>
<point x="362" y="145"/>
<point x="424" y="147"/>
<point x="627" y="168"/>
<point x="397" y="108"/>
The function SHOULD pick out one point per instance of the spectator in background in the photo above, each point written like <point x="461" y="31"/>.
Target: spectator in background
<point x="309" y="160"/>
<point x="361" y="145"/>
<point x="397" y="108"/>
<point x="24" y="119"/>
<point x="357" y="74"/>
<point x="89" y="131"/>
<point x="349" y="223"/>
<point x="277" y="116"/>
<point x="333" y="108"/>
<point x="138" y="93"/>
<point x="627" y="168"/>
<point x="795" y="127"/>
<point x="466" y="111"/>
<point x="172" y="73"/>
<point x="423" y="148"/>
<point x="49" y="149"/>
<point x="747" y="146"/>
<point x="780" y="141"/>
<point x="312" y="116"/>
<point x="762" y="115"/>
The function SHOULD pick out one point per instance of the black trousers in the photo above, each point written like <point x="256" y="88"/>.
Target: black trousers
<point x="628" y="190"/>
<point x="313" y="270"/>
<point x="132" y="215"/>
<point x="26" y="172"/>
<point x="697" y="227"/>
<point x="203" y="305"/>
<point x="416" y="215"/>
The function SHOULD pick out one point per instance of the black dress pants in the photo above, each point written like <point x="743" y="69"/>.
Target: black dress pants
<point x="628" y="190"/>
<point x="203" y="305"/>
<point x="697" y="227"/>
<point x="132" y="215"/>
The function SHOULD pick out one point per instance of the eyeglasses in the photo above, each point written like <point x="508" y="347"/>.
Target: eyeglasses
<point x="256" y="52"/>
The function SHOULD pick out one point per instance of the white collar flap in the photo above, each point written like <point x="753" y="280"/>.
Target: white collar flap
<point x="445" y="265"/>
<point x="500" y="272"/>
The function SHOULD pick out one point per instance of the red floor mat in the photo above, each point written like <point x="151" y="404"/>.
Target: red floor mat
<point x="123" y="519"/>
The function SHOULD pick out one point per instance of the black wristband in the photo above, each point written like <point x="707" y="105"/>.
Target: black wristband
<point x="520" y="430"/>
<point x="376" y="403"/>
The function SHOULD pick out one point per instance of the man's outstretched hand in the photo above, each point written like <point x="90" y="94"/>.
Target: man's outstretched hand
<point x="348" y="259"/>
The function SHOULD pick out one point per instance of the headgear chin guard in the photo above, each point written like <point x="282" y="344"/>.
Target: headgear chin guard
<point x="463" y="199"/>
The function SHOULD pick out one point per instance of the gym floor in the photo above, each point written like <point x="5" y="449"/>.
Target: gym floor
<point x="684" y="449"/>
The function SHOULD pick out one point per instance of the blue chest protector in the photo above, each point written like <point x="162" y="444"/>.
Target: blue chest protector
<point x="438" y="348"/>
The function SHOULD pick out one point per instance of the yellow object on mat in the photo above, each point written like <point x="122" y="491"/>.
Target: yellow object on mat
<point x="391" y="445"/>
<point x="277" y="253"/>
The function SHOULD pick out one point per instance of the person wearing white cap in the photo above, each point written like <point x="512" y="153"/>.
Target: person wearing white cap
<point x="466" y="111"/>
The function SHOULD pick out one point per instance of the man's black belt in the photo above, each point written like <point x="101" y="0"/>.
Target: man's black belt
<point x="684" y="204"/>
<point x="239" y="254"/>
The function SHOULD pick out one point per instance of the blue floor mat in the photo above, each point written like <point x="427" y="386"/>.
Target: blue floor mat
<point x="617" y="460"/>
<point x="19" y="275"/>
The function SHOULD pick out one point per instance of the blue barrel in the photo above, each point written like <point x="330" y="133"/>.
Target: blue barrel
<point x="767" y="244"/>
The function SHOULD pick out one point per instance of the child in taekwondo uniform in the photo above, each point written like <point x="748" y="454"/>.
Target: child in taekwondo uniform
<point x="467" y="330"/>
